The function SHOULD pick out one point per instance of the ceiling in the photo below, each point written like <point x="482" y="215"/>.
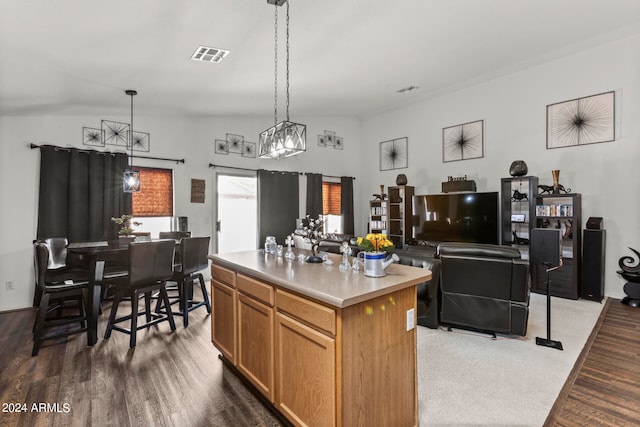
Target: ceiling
<point x="348" y="57"/>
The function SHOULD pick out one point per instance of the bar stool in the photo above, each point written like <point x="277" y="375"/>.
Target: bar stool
<point x="56" y="292"/>
<point x="193" y="256"/>
<point x="150" y="266"/>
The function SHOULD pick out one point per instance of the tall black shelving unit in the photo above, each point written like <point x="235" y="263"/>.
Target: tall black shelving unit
<point x="518" y="211"/>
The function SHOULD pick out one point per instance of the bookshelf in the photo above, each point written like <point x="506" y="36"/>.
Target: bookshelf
<point x="399" y="214"/>
<point x="518" y="198"/>
<point x="564" y="212"/>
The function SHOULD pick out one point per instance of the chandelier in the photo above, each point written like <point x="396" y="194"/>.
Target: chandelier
<point x="286" y="138"/>
<point x="131" y="178"/>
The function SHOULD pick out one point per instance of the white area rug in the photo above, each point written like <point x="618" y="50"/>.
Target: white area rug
<point x="469" y="379"/>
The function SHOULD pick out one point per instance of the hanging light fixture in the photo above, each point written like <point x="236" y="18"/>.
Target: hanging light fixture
<point x="131" y="178"/>
<point x="286" y="138"/>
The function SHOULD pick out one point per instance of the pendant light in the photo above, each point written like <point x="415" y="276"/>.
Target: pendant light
<point x="286" y="138"/>
<point x="131" y="178"/>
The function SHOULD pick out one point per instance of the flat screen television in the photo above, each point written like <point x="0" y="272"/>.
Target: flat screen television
<point x="456" y="217"/>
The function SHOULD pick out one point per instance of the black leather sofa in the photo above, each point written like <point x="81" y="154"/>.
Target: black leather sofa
<point x="484" y="287"/>
<point x="427" y="292"/>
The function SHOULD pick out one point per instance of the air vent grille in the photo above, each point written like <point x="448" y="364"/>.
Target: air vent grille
<point x="209" y="54"/>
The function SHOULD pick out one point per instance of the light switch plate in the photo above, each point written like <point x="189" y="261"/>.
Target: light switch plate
<point x="411" y="319"/>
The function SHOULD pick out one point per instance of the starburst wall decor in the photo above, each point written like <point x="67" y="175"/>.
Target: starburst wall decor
<point x="394" y="154"/>
<point x="235" y="144"/>
<point x="463" y="142"/>
<point x="587" y="120"/>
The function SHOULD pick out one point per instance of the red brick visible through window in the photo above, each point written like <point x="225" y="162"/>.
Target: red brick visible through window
<point x="155" y="197"/>
<point x="331" y="196"/>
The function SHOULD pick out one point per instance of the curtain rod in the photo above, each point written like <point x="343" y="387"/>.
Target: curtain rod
<point x="33" y="146"/>
<point x="211" y="165"/>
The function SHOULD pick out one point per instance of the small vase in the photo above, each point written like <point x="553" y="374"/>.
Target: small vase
<point x="556" y="181"/>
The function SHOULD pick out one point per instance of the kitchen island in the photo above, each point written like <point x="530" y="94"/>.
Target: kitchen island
<point x="323" y="346"/>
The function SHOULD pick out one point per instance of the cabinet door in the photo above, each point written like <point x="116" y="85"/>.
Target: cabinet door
<point x="255" y="343"/>
<point x="223" y="319"/>
<point x="305" y="373"/>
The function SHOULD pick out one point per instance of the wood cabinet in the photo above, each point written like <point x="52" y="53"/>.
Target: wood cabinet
<point x="561" y="211"/>
<point x="399" y="214"/>
<point x="255" y="333"/>
<point x="320" y="364"/>
<point x="223" y="311"/>
<point x="306" y="361"/>
<point x="518" y="211"/>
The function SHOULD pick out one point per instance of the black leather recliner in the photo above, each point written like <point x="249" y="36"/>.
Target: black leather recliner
<point x="484" y="287"/>
<point x="427" y="292"/>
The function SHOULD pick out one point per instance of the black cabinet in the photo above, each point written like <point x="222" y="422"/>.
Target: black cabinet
<point x="518" y="211"/>
<point x="561" y="211"/>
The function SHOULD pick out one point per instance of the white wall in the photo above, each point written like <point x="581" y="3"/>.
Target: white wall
<point x="513" y="108"/>
<point x="171" y="137"/>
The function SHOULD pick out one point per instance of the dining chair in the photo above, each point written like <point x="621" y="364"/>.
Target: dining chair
<point x="150" y="266"/>
<point x="54" y="294"/>
<point x="194" y="253"/>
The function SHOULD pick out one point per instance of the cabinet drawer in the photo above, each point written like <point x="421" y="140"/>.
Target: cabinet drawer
<point x="223" y="275"/>
<point x="258" y="290"/>
<point x="307" y="311"/>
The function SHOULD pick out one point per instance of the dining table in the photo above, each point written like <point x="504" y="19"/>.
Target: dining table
<point x="96" y="256"/>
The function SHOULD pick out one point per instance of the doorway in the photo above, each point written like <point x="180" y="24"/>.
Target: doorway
<point x="236" y="212"/>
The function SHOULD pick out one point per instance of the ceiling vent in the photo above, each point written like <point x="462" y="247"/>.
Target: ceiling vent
<point x="407" y="89"/>
<point x="209" y="54"/>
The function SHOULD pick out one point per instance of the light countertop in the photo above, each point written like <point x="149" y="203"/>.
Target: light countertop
<point x="324" y="283"/>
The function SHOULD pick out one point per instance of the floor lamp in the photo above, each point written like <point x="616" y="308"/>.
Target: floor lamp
<point x="546" y="251"/>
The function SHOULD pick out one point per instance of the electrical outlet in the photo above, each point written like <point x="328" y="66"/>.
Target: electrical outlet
<point x="410" y="319"/>
<point x="9" y="285"/>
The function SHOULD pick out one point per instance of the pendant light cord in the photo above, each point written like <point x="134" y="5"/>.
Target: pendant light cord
<point x="131" y="130"/>
<point x="275" y="85"/>
<point x="287" y="52"/>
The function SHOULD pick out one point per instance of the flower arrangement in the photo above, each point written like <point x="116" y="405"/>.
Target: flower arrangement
<point x="125" y="223"/>
<point x="375" y="242"/>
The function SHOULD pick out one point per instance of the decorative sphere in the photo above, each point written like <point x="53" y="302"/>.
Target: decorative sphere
<point x="518" y="168"/>
<point x="401" y="179"/>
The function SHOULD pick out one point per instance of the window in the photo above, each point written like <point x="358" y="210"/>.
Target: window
<point x="331" y="200"/>
<point x="153" y="204"/>
<point x="155" y="197"/>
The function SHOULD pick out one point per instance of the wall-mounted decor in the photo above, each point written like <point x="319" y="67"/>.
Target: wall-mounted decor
<point x="235" y="144"/>
<point x="222" y="146"/>
<point x="581" y="121"/>
<point x="115" y="133"/>
<point x="463" y="142"/>
<point x="330" y="139"/>
<point x="140" y="141"/>
<point x="93" y="137"/>
<point x="394" y="154"/>
<point x="197" y="190"/>
<point x="248" y="149"/>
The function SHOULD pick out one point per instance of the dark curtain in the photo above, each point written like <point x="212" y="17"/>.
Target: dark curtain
<point x="346" y="204"/>
<point x="314" y="195"/>
<point x="278" y="204"/>
<point x="80" y="190"/>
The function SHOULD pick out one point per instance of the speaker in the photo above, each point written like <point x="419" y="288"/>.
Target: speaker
<point x="183" y="223"/>
<point x="462" y="185"/>
<point x="546" y="247"/>
<point x="593" y="254"/>
<point x="594" y="223"/>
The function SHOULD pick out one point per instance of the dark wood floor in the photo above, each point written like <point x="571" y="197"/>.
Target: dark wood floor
<point x="603" y="388"/>
<point x="176" y="378"/>
<point x="170" y="379"/>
